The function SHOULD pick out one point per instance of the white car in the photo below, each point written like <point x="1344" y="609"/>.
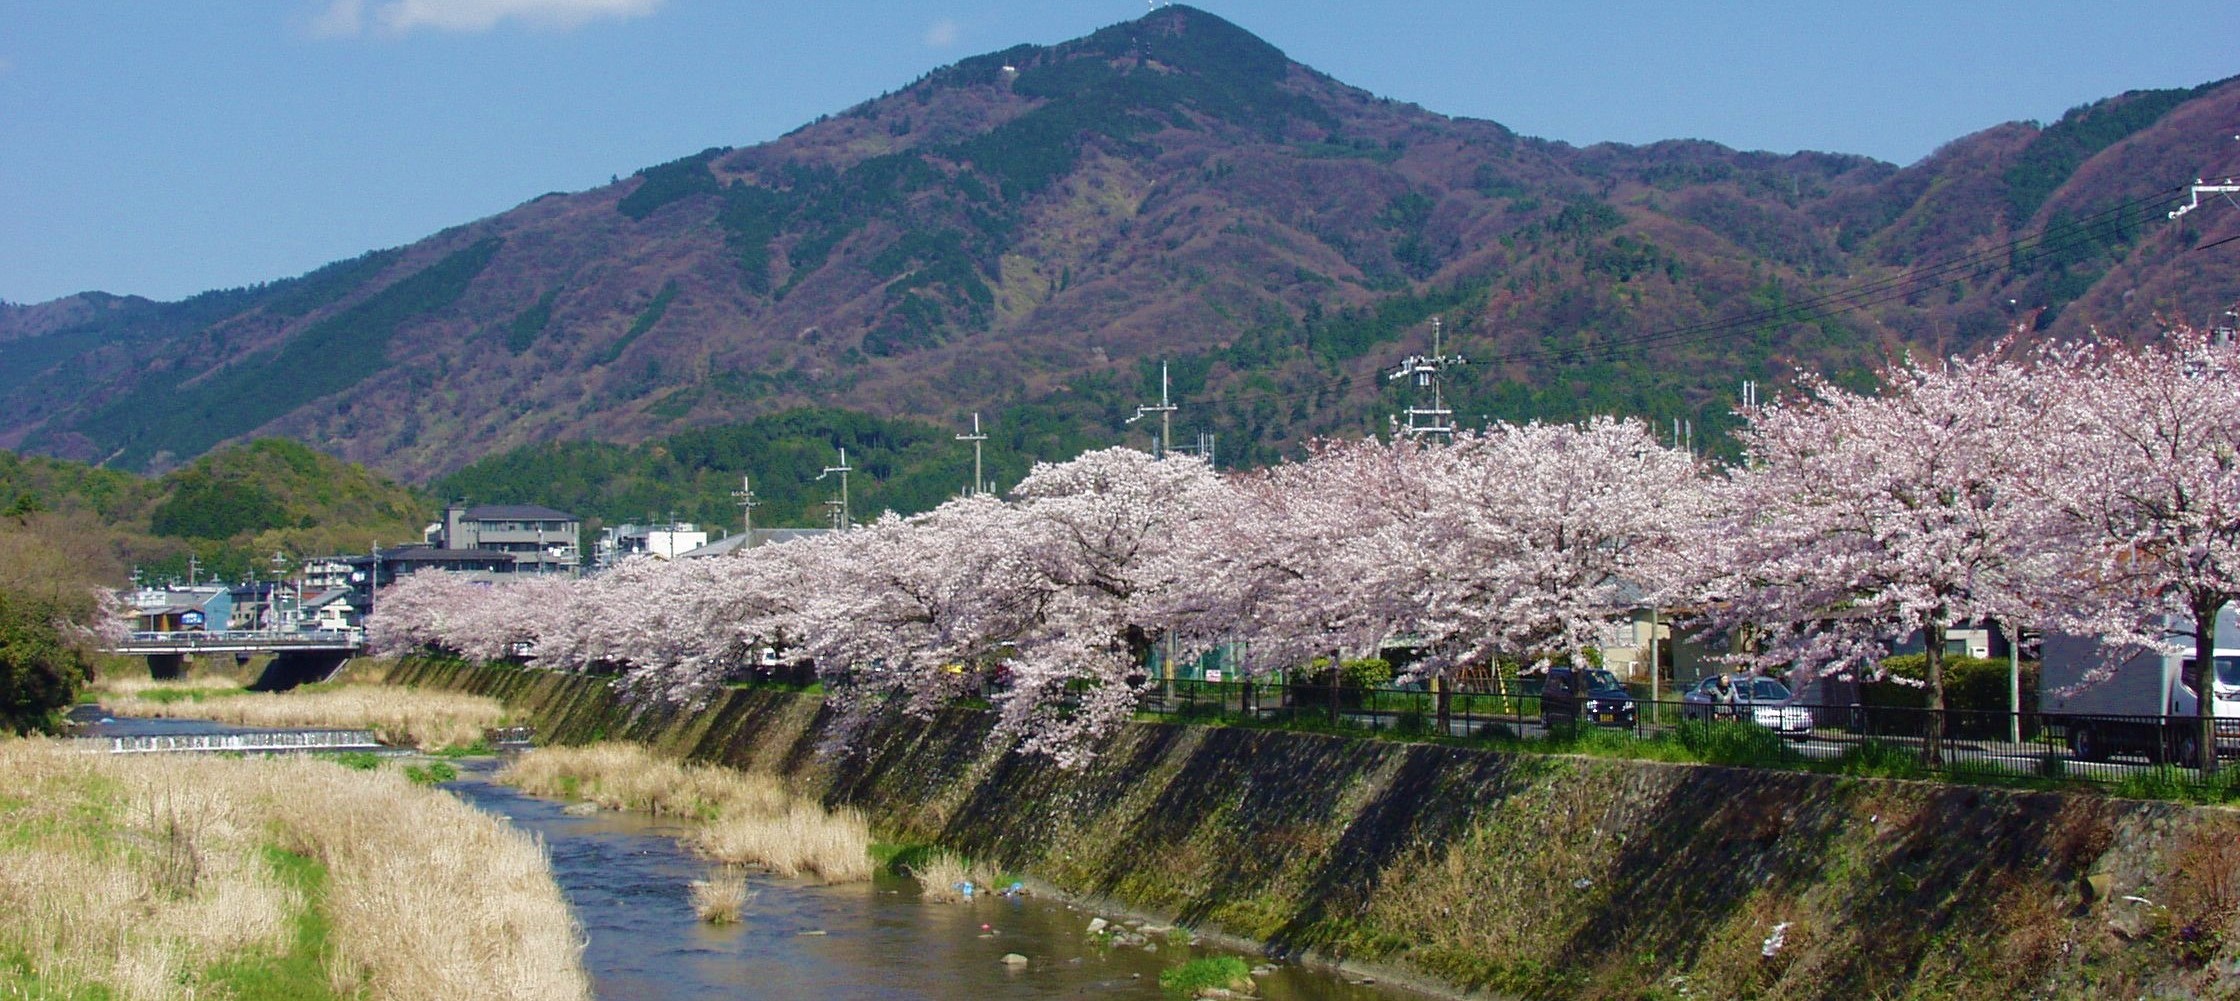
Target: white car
<point x="1763" y="701"/>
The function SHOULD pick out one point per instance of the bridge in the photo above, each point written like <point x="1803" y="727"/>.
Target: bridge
<point x="298" y="655"/>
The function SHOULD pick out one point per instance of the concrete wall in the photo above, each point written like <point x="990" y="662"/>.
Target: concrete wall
<point x="1521" y="875"/>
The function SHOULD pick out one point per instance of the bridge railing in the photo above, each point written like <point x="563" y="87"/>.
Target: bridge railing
<point x="195" y="639"/>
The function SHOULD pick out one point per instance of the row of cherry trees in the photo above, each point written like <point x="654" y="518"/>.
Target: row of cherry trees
<point x="2080" y="487"/>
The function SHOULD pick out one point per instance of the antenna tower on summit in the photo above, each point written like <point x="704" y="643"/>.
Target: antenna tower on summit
<point x="1428" y="372"/>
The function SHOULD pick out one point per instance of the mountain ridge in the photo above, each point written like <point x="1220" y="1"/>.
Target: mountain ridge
<point x="1031" y="230"/>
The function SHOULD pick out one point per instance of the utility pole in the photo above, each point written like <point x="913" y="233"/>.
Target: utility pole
<point x="1428" y="372"/>
<point x="193" y="564"/>
<point x="279" y="571"/>
<point x="1165" y="410"/>
<point x="373" y="580"/>
<point x="745" y="497"/>
<point x="976" y="437"/>
<point x="2226" y="186"/>
<point x="839" y="507"/>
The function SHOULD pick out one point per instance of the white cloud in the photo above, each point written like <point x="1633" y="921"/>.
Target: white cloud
<point x="342" y="17"/>
<point x="941" y="34"/>
<point x="398" y="17"/>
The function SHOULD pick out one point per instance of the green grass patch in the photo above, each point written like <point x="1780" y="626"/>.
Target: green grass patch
<point x="479" y="749"/>
<point x="432" y="773"/>
<point x="900" y="858"/>
<point x="2181" y="785"/>
<point x="170" y="696"/>
<point x="364" y="761"/>
<point x="300" y="973"/>
<point x="1199" y="974"/>
<point x="18" y="980"/>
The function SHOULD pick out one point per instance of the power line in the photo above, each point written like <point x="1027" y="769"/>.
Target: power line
<point x="2019" y="252"/>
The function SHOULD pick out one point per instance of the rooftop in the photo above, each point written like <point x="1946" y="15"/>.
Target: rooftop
<point x="516" y="512"/>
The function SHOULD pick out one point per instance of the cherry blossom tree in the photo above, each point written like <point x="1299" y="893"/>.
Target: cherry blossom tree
<point x="1537" y="539"/>
<point x="922" y="609"/>
<point x="1092" y="533"/>
<point x="1857" y="521"/>
<point x="1285" y="572"/>
<point x="2146" y="470"/>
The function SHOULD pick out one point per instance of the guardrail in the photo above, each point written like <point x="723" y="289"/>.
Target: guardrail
<point x="2105" y="748"/>
<point x="266" y="639"/>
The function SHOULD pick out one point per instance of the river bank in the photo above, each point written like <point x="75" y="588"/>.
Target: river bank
<point x="1530" y="875"/>
<point x="265" y="879"/>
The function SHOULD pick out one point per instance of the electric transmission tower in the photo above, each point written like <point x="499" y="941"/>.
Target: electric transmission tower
<point x="1165" y="410"/>
<point x="976" y="437"/>
<point x="839" y="506"/>
<point x="1428" y="372"/>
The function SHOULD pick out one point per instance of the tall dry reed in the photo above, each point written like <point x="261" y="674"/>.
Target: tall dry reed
<point x="137" y="876"/>
<point x="720" y="898"/>
<point x="428" y="720"/>
<point x="941" y="878"/>
<point x="737" y="817"/>
<point x="121" y="686"/>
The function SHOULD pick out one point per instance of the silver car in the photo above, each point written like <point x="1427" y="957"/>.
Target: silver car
<point x="1763" y="701"/>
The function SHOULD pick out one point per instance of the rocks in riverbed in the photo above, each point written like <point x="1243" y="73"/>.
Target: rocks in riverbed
<point x="583" y="809"/>
<point x="1014" y="959"/>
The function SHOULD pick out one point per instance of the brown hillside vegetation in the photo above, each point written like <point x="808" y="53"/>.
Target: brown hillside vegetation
<point x="1028" y="232"/>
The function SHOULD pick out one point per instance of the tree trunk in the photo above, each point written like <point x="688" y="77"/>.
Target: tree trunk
<point x="2205" y="681"/>
<point x="1932" y="645"/>
<point x="1446" y="728"/>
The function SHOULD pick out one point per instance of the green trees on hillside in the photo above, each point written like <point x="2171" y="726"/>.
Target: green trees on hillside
<point x="908" y="466"/>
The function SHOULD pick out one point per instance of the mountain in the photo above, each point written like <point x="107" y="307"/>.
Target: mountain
<point x="230" y="509"/>
<point x="1029" y="233"/>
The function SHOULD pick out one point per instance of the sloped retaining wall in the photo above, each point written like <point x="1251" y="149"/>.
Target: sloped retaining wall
<point x="1529" y="875"/>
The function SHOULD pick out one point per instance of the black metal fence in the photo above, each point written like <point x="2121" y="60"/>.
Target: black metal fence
<point x="1980" y="745"/>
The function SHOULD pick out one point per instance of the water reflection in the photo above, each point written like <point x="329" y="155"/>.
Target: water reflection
<point x="628" y="880"/>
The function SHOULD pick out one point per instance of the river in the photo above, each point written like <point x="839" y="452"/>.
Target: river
<point x="628" y="880"/>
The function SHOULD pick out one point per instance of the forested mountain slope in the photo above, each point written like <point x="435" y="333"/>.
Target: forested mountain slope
<point x="1030" y="232"/>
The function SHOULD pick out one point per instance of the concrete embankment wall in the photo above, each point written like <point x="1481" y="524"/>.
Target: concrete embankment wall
<point x="1517" y="874"/>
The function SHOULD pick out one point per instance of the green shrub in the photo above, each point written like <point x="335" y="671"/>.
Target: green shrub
<point x="432" y="773"/>
<point x="1723" y="742"/>
<point x="41" y="668"/>
<point x="1881" y="759"/>
<point x="1976" y="684"/>
<point x="364" y="761"/>
<point x="1187" y="980"/>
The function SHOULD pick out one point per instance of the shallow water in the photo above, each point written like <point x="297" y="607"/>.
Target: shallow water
<point x="628" y="880"/>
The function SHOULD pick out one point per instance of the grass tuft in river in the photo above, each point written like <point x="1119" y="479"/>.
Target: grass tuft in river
<point x="737" y="817"/>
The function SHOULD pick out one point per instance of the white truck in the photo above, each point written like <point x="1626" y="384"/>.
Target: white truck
<point x="2141" y="705"/>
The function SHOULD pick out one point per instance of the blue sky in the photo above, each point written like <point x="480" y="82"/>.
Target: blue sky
<point x="165" y="148"/>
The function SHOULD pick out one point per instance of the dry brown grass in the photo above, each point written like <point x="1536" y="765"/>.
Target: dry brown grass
<point x="428" y="720"/>
<point x="134" y="875"/>
<point x="124" y="686"/>
<point x="940" y="877"/>
<point x="738" y="817"/>
<point x="721" y="897"/>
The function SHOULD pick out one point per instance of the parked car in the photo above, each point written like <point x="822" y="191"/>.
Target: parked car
<point x="1590" y="696"/>
<point x="1763" y="701"/>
